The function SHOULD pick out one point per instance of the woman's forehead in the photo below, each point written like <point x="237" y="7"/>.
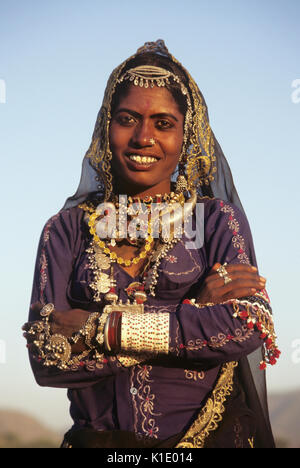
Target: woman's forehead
<point x="156" y="99"/>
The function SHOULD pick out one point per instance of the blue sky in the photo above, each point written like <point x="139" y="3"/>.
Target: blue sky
<point x="55" y="58"/>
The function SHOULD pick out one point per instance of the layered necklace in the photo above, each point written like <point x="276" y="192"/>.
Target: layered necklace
<point x="140" y="218"/>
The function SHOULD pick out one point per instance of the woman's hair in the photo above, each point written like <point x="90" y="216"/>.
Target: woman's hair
<point x="161" y="61"/>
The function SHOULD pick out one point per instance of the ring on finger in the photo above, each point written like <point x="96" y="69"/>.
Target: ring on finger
<point x="224" y="273"/>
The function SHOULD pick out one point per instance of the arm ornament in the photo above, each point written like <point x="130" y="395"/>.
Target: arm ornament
<point x="256" y="313"/>
<point x="147" y="333"/>
<point x="55" y="350"/>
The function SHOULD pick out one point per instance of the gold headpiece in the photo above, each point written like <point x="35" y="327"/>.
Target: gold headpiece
<point x="148" y="75"/>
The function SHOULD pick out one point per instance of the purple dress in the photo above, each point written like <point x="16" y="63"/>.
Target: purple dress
<point x="162" y="396"/>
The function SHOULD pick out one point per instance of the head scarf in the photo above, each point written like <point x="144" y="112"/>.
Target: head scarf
<point x="206" y="169"/>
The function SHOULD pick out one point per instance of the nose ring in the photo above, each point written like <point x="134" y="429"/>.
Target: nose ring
<point x="152" y="141"/>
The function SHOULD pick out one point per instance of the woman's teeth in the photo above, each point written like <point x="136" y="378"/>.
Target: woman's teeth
<point x="142" y="159"/>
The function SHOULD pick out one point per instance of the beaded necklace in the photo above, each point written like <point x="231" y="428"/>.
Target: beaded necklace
<point x="147" y="202"/>
<point x="102" y="258"/>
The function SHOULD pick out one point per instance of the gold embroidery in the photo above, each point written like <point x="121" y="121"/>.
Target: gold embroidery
<point x="194" y="375"/>
<point x="211" y="414"/>
<point x="251" y="442"/>
<point x="240" y="335"/>
<point x="237" y="240"/>
<point x="146" y="402"/>
<point x="187" y="272"/>
<point x="43" y="260"/>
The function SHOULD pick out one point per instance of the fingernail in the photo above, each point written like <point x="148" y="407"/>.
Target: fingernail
<point x="262" y="279"/>
<point x="254" y="268"/>
<point x="253" y="290"/>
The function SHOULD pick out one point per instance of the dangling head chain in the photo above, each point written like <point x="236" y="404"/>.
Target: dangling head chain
<point x="197" y="160"/>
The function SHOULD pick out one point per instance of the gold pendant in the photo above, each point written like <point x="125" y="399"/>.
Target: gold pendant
<point x="102" y="260"/>
<point x="103" y="283"/>
<point x="59" y="351"/>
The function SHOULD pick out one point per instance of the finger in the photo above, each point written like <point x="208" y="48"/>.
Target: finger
<point x="216" y="266"/>
<point x="238" y="274"/>
<point x="240" y="267"/>
<point x="35" y="310"/>
<point x="244" y="272"/>
<point x="241" y="283"/>
<point x="217" y="283"/>
<point x="247" y="276"/>
<point x="235" y="266"/>
<point x="29" y="338"/>
<point x="240" y="293"/>
<point x="27" y="326"/>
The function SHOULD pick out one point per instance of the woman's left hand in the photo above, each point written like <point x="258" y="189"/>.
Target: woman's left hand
<point x="245" y="281"/>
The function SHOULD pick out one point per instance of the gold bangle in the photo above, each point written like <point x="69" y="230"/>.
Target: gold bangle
<point x="100" y="329"/>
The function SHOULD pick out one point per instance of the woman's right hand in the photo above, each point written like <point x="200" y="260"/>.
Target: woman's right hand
<point x="245" y="281"/>
<point x="65" y="323"/>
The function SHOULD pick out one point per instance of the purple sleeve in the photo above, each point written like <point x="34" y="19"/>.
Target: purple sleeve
<point x="59" y="245"/>
<point x="212" y="335"/>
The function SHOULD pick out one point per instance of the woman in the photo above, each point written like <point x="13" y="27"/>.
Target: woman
<point x="160" y="331"/>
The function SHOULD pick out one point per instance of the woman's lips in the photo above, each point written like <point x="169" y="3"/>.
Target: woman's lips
<point x="141" y="162"/>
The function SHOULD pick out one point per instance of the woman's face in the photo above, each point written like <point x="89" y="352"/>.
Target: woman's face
<point x="146" y="136"/>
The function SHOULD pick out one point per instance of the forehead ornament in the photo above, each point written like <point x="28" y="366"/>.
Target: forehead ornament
<point x="148" y="76"/>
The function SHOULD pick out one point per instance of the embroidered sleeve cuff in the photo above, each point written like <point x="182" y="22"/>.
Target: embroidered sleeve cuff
<point x="146" y="333"/>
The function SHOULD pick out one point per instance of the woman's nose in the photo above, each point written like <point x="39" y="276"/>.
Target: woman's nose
<point x="143" y="136"/>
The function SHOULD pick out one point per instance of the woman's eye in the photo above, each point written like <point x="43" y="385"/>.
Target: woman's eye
<point x="125" y="120"/>
<point x="164" y="124"/>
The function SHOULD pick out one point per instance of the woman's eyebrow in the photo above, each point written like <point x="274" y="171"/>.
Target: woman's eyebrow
<point x="163" y="115"/>
<point x="160" y="115"/>
<point x="129" y="111"/>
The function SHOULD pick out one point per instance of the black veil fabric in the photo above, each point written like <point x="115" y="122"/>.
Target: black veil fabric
<point x="221" y="185"/>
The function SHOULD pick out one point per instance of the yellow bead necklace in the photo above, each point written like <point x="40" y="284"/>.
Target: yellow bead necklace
<point x="113" y="256"/>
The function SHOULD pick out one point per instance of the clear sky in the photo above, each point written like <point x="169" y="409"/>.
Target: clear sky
<point x="55" y="58"/>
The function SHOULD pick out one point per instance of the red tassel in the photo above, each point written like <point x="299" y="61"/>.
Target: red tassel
<point x="262" y="365"/>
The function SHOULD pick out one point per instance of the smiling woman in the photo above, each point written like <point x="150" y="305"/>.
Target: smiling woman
<point x="158" y="340"/>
